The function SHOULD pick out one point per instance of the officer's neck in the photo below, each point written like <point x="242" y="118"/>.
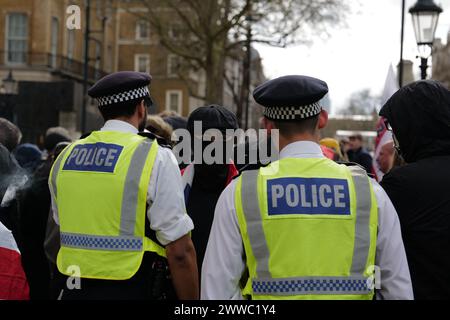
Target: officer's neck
<point x="287" y="140"/>
<point x="133" y="120"/>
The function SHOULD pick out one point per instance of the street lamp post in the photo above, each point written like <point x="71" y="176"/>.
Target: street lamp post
<point x="8" y="90"/>
<point x="425" y="15"/>
<point x="86" y="65"/>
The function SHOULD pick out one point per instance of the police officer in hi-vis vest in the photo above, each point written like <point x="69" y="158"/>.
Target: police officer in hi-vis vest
<point x="303" y="227"/>
<point x="118" y="199"/>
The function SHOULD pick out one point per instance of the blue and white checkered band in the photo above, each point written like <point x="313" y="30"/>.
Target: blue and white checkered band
<point x="293" y="113"/>
<point x="123" y="96"/>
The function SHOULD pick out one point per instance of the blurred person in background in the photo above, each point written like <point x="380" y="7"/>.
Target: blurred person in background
<point x="419" y="117"/>
<point x="12" y="178"/>
<point x="386" y="157"/>
<point x="156" y="125"/>
<point x="29" y="157"/>
<point x="34" y="208"/>
<point x="358" y="154"/>
<point x="333" y="144"/>
<point x="10" y="134"/>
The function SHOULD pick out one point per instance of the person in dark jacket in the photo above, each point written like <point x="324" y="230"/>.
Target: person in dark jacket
<point x="12" y="178"/>
<point x="358" y="154"/>
<point x="34" y="208"/>
<point x="419" y="116"/>
<point x="203" y="183"/>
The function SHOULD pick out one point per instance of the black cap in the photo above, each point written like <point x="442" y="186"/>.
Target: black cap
<point x="176" y="122"/>
<point x="120" y="87"/>
<point x="291" y="97"/>
<point x="213" y="117"/>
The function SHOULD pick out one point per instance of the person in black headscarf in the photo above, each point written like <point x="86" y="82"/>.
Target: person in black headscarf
<point x="34" y="208"/>
<point x="12" y="178"/>
<point x="203" y="183"/>
<point x="419" y="116"/>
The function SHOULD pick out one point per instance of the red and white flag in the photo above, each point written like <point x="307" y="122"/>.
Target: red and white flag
<point x="383" y="135"/>
<point x="13" y="282"/>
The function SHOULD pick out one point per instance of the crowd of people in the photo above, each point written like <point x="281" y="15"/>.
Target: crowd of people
<point x="140" y="225"/>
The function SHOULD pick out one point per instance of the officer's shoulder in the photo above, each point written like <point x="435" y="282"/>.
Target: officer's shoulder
<point x="354" y="164"/>
<point x="349" y="164"/>
<point x="161" y="141"/>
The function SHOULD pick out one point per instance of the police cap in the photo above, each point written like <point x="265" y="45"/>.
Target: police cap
<point x="291" y="97"/>
<point x="121" y="87"/>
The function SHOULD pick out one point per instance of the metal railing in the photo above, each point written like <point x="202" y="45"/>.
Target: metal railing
<point x="53" y="63"/>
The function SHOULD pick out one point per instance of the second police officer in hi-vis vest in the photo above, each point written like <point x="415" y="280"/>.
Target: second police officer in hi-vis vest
<point x="303" y="227"/>
<point x="118" y="199"/>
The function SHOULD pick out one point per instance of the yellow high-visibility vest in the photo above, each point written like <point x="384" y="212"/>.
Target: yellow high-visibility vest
<point x="309" y="228"/>
<point x="100" y="185"/>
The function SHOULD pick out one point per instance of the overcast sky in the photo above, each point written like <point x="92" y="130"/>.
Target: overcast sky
<point x="356" y="57"/>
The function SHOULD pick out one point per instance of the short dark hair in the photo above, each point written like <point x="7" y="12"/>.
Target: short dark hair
<point x="356" y="136"/>
<point x="10" y="134"/>
<point x="293" y="127"/>
<point x="123" y="109"/>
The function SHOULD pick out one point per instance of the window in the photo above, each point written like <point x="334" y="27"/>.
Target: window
<point x="142" y="30"/>
<point x="175" y="31"/>
<point x="54" y="42"/>
<point x="17" y="38"/>
<point x="142" y="63"/>
<point x="70" y="43"/>
<point x="174" y="100"/>
<point x="173" y="65"/>
<point x="98" y="57"/>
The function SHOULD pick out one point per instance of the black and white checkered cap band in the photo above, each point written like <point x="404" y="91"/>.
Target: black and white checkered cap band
<point x="123" y="96"/>
<point x="293" y="113"/>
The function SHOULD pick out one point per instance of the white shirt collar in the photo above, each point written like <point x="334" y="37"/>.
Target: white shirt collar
<point x="118" y="125"/>
<point x="302" y="149"/>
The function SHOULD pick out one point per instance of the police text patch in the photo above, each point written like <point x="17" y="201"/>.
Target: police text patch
<point x="308" y="196"/>
<point x="98" y="157"/>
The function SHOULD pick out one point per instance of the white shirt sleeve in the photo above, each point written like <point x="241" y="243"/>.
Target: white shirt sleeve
<point x="390" y="254"/>
<point x="224" y="262"/>
<point x="167" y="210"/>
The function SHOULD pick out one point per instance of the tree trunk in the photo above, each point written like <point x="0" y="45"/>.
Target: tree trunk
<point x="215" y="65"/>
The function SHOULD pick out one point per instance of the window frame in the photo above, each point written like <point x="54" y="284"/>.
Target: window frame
<point x="136" y="62"/>
<point x="180" y="100"/>
<point x="139" y="23"/>
<point x="8" y="38"/>
<point x="169" y="65"/>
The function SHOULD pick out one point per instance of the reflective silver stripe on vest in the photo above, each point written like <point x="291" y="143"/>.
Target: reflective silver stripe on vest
<point x="131" y="189"/>
<point x="311" y="285"/>
<point x="362" y="230"/>
<point x="55" y="172"/>
<point x="82" y="241"/>
<point x="250" y="205"/>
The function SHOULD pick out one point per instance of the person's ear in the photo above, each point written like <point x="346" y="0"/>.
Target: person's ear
<point x="268" y="125"/>
<point x="141" y="109"/>
<point x="323" y="119"/>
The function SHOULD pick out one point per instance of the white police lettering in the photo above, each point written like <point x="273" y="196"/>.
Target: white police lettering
<point x="338" y="196"/>
<point x="98" y="157"/>
<point x="72" y="155"/>
<point x="277" y="193"/>
<point x="79" y="160"/>
<point x="317" y="196"/>
<point x="110" y="158"/>
<point x="292" y="195"/>
<point x="325" y="203"/>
